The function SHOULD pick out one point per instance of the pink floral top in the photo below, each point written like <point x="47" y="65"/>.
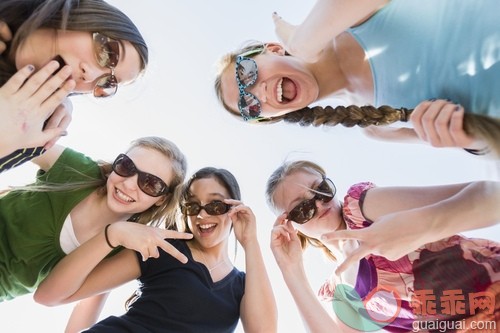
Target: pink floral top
<point x="450" y="279"/>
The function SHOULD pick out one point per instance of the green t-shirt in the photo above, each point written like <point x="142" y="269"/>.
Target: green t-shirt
<point x="31" y="223"/>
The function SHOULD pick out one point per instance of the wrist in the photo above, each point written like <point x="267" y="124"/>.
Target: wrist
<point x="106" y="236"/>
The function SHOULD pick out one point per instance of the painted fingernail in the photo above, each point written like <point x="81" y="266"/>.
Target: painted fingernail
<point x="64" y="133"/>
<point x="31" y="68"/>
<point x="457" y="107"/>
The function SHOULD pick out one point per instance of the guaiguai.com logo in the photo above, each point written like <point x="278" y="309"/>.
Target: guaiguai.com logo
<point x="379" y="308"/>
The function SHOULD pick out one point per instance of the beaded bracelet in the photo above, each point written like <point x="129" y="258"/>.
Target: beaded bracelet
<point x="106" y="236"/>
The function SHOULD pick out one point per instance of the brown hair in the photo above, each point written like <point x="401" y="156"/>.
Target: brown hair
<point x="25" y="16"/>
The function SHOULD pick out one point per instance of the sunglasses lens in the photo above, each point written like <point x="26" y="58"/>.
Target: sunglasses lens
<point x="107" y="50"/>
<point x="327" y="187"/>
<point x="190" y="208"/>
<point x="246" y="71"/>
<point x="150" y="184"/>
<point x="303" y="212"/>
<point x="249" y="106"/>
<point x="216" y="208"/>
<point x="124" y="166"/>
<point x="106" y="86"/>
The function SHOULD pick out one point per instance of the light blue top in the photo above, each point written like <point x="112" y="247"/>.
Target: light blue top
<point x="423" y="49"/>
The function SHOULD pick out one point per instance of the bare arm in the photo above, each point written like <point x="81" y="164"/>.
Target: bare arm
<point x="407" y="218"/>
<point x="86" y="313"/>
<point x="288" y="254"/>
<point x="326" y="20"/>
<point x="258" y="306"/>
<point x="81" y="274"/>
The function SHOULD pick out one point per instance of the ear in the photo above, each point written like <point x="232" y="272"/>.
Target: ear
<point x="275" y="48"/>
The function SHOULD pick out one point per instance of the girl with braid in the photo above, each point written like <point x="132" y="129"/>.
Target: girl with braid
<point x="378" y="53"/>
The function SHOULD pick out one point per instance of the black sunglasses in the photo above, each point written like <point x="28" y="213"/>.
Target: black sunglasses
<point x="148" y="183"/>
<point x="246" y="75"/>
<point x="215" y="207"/>
<point x="306" y="209"/>
<point x="107" y="53"/>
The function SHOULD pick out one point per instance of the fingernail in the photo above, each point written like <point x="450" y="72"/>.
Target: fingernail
<point x="457" y="107"/>
<point x="431" y="99"/>
<point x="31" y="68"/>
<point x="64" y="133"/>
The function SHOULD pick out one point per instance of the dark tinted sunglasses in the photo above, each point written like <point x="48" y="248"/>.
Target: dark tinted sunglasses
<point x="107" y="53"/>
<point x="148" y="183"/>
<point x="306" y="210"/>
<point x="215" y="207"/>
<point x="246" y="75"/>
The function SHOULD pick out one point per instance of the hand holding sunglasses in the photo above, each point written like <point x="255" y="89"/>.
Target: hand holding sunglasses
<point x="150" y="184"/>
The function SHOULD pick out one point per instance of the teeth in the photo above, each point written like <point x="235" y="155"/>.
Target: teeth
<point x="279" y="91"/>
<point x="206" y="226"/>
<point x="123" y="196"/>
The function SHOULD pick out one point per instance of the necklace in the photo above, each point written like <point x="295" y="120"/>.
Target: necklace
<point x="205" y="261"/>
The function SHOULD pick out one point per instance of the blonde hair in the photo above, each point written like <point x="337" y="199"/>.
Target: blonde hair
<point x="277" y="178"/>
<point x="164" y="214"/>
<point x="476" y="125"/>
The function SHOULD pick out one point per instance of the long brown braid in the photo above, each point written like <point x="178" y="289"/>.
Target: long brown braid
<point x="479" y="126"/>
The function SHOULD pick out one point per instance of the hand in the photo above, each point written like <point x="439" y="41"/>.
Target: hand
<point x="283" y="30"/>
<point x="245" y="227"/>
<point x="440" y="123"/>
<point x="5" y="36"/>
<point x="60" y="119"/>
<point x="146" y="239"/>
<point x="27" y="100"/>
<point x="285" y="243"/>
<point x="388" y="236"/>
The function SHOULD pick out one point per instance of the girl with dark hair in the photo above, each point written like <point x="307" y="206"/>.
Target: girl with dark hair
<point x="398" y="250"/>
<point x="399" y="53"/>
<point x="94" y="46"/>
<point x="206" y="294"/>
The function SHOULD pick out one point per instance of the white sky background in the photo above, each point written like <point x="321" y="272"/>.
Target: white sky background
<point x="175" y="99"/>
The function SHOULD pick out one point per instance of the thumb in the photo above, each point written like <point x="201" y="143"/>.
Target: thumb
<point x="50" y="136"/>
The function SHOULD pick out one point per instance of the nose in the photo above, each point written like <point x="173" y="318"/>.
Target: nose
<point x="89" y="72"/>
<point x="259" y="90"/>
<point x="130" y="183"/>
<point x="202" y="214"/>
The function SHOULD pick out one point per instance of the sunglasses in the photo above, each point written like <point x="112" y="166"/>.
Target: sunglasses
<point x="306" y="210"/>
<point x="246" y="76"/>
<point x="107" y="53"/>
<point x="150" y="184"/>
<point x="215" y="207"/>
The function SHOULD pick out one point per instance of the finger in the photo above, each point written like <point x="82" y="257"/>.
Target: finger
<point x="170" y="249"/>
<point x="442" y="126"/>
<point x="176" y="234"/>
<point x="58" y="97"/>
<point x="5" y="33"/>
<point x="354" y="257"/>
<point x="53" y="86"/>
<point x="342" y="234"/>
<point x="16" y="81"/>
<point x="50" y="136"/>
<point x="281" y="219"/>
<point x="3" y="47"/>
<point x="457" y="131"/>
<point x="37" y="80"/>
<point x="425" y="125"/>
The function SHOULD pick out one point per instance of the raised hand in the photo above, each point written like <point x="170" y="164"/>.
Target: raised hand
<point x="283" y="30"/>
<point x="27" y="100"/>
<point x="440" y="123"/>
<point x="145" y="239"/>
<point x="244" y="224"/>
<point x="285" y="243"/>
